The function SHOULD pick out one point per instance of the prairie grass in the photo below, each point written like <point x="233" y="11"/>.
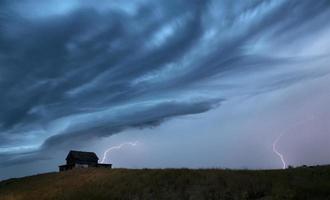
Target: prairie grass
<point x="300" y="183"/>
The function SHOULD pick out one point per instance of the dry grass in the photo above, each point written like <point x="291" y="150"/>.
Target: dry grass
<point x="301" y="183"/>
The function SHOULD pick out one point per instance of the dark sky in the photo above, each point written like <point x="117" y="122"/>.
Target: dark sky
<point x="196" y="83"/>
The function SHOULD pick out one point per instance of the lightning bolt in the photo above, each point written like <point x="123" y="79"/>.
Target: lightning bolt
<point x="276" y="151"/>
<point x="117" y="147"/>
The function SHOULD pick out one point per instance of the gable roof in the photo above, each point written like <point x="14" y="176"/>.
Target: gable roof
<point x="82" y="156"/>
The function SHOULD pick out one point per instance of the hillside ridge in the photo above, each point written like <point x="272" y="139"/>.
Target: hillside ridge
<point x="299" y="183"/>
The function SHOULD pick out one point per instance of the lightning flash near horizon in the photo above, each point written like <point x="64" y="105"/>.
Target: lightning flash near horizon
<point x="116" y="147"/>
<point x="276" y="151"/>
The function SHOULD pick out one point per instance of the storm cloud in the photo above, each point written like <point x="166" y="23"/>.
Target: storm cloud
<point x="74" y="71"/>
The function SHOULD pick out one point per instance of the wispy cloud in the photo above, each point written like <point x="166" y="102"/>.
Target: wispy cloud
<point x="72" y="70"/>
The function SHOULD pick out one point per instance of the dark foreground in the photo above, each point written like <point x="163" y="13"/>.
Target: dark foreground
<point x="300" y="183"/>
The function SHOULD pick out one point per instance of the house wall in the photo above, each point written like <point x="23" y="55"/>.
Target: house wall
<point x="75" y="162"/>
<point x="77" y="165"/>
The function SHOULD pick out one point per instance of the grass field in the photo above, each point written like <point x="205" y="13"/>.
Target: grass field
<point x="300" y="183"/>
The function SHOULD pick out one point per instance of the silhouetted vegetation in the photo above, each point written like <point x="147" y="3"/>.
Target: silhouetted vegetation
<point x="297" y="183"/>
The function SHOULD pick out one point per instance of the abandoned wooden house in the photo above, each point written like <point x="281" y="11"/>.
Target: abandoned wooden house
<point x="80" y="159"/>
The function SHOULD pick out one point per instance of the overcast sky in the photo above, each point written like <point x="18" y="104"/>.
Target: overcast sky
<point x="196" y="83"/>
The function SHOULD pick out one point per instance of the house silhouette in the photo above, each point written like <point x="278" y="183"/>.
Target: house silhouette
<point x="81" y="159"/>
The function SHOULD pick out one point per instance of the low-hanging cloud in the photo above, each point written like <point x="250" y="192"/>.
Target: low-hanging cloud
<point x="73" y="71"/>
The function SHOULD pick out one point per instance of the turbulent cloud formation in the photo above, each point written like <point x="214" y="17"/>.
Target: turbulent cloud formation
<point x="72" y="71"/>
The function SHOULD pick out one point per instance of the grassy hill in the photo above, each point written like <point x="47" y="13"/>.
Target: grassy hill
<point x="300" y="183"/>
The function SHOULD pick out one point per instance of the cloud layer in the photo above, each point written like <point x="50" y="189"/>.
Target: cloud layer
<point x="72" y="71"/>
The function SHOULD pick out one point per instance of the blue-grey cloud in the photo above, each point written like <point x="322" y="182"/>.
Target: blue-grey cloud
<point x="73" y="71"/>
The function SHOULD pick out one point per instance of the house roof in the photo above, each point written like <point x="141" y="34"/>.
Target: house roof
<point x="82" y="156"/>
